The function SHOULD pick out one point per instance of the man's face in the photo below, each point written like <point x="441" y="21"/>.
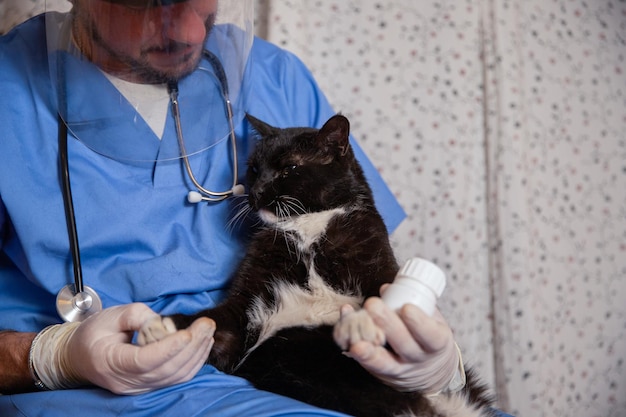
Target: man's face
<point x="144" y="44"/>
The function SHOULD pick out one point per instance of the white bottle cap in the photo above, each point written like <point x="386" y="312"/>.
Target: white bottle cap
<point x="418" y="282"/>
<point x="427" y="272"/>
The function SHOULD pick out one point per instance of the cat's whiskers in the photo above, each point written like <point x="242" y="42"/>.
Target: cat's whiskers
<point x="296" y="205"/>
<point x="241" y="210"/>
<point x="283" y="215"/>
<point x="288" y="207"/>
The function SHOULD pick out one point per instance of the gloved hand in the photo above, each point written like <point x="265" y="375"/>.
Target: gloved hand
<point x="424" y="355"/>
<point x="99" y="351"/>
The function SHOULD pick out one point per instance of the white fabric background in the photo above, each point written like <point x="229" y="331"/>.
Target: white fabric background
<point x="501" y="128"/>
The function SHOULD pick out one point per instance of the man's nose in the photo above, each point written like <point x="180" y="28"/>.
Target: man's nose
<point x="185" y="24"/>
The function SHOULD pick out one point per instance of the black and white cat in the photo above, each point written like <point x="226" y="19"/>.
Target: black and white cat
<point x="322" y="245"/>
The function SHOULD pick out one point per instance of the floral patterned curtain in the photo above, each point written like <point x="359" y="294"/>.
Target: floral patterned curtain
<point x="501" y="128"/>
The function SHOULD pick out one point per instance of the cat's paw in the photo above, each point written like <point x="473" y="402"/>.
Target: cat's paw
<point x="356" y="326"/>
<point x="155" y="329"/>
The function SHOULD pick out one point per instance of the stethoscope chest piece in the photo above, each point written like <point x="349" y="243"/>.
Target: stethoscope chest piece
<point x="73" y="306"/>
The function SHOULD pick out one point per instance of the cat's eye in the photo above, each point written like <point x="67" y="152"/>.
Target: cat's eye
<point x="288" y="170"/>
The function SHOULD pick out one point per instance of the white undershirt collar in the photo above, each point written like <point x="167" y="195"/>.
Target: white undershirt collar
<point x="151" y="101"/>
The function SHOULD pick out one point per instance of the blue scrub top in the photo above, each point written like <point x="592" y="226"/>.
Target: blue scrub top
<point x="139" y="238"/>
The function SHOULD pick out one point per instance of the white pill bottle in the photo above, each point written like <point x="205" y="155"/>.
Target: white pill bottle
<point x="419" y="282"/>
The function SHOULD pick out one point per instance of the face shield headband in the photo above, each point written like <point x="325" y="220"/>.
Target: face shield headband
<point x="101" y="42"/>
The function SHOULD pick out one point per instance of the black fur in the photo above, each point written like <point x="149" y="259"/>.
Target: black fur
<point x="316" y="168"/>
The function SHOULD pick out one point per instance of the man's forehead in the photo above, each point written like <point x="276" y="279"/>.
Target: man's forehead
<point x="145" y="3"/>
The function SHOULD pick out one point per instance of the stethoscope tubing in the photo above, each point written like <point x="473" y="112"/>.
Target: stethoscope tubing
<point x="77" y="302"/>
<point x="68" y="205"/>
<point x="208" y="195"/>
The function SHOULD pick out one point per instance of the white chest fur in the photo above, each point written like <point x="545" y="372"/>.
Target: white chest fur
<point x="295" y="306"/>
<point x="316" y="305"/>
<point x="308" y="227"/>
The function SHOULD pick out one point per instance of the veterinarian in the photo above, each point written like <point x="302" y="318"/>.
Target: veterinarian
<point x="122" y="154"/>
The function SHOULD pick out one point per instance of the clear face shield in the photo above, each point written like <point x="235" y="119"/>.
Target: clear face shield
<point x="111" y="62"/>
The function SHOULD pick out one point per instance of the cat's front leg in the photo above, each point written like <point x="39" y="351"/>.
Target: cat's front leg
<point x="159" y="327"/>
<point x="355" y="326"/>
<point x="230" y="335"/>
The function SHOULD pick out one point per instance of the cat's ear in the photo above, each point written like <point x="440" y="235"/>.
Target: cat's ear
<point x="260" y="126"/>
<point x="335" y="134"/>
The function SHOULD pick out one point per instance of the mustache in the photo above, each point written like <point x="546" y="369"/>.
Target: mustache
<point x="169" y="48"/>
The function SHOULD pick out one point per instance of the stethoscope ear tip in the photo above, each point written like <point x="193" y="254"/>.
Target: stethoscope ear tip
<point x="239" y="189"/>
<point x="194" y="197"/>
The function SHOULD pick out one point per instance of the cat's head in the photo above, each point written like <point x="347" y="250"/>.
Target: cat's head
<point x="300" y="170"/>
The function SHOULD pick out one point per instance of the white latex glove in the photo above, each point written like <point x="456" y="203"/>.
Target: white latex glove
<point x="99" y="351"/>
<point x="424" y="355"/>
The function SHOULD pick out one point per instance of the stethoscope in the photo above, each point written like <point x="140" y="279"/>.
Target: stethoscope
<point x="77" y="301"/>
